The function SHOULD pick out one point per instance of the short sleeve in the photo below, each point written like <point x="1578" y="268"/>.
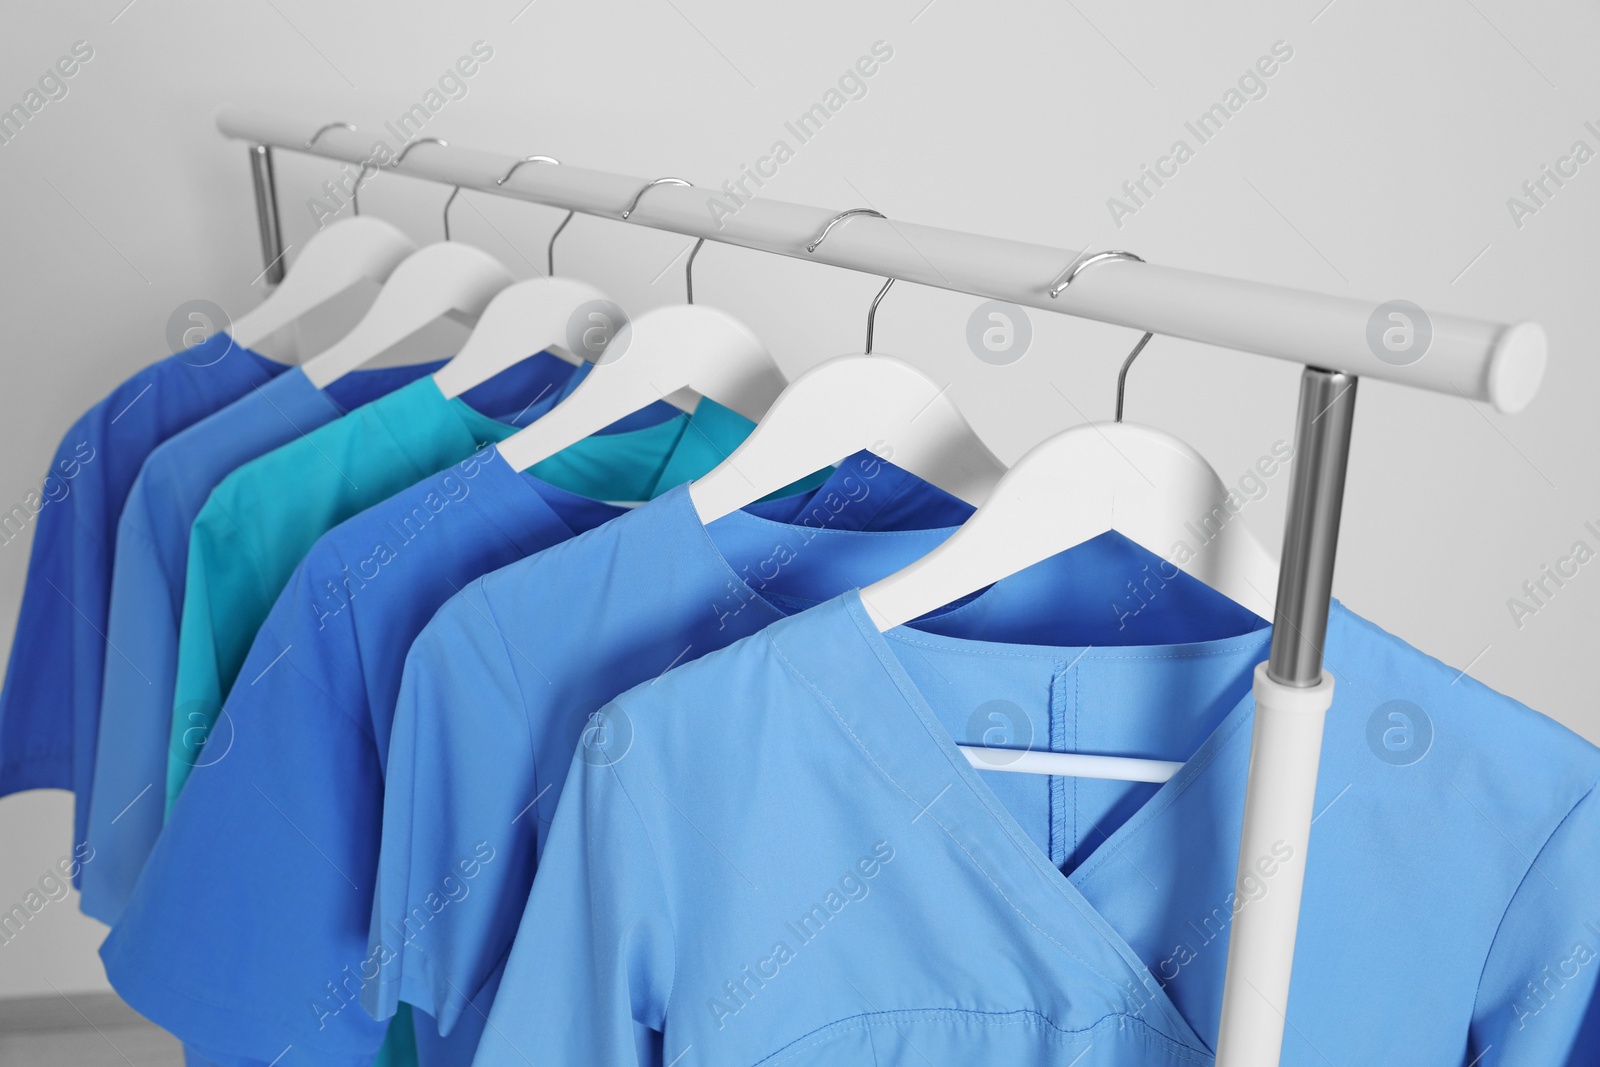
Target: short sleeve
<point x="42" y="681"/>
<point x="267" y="858"/>
<point x="460" y="792"/>
<point x="222" y="587"/>
<point x="1539" y="997"/>
<point x="590" y="974"/>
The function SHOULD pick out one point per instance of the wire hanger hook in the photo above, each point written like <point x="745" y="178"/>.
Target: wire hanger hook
<point x="550" y="252"/>
<point x="629" y="210"/>
<point x="872" y="312"/>
<point x="406" y="151"/>
<point x="367" y="168"/>
<point x="312" y="140"/>
<point x="455" y="191"/>
<point x="1087" y="261"/>
<point x="1066" y="280"/>
<point x="373" y="168"/>
<point x="688" y="268"/>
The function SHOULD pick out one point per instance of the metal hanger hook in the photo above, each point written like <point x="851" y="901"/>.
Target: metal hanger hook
<point x="525" y="159"/>
<point x="312" y="140"/>
<point x="550" y="252"/>
<point x="1066" y="280"/>
<point x="455" y="191"/>
<point x="840" y="217"/>
<point x="688" y="270"/>
<point x="629" y="210"/>
<point x="1122" y="375"/>
<point x="1087" y="261"/>
<point x="361" y="176"/>
<point x="872" y="312"/>
<point x="406" y="151"/>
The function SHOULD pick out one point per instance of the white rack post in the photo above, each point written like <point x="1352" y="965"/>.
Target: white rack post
<point x="1292" y="695"/>
<point x="1501" y="364"/>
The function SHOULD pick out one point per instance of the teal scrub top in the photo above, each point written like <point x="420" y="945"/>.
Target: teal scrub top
<point x="263" y="518"/>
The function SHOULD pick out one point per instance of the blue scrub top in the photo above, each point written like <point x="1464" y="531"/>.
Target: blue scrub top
<point x="51" y="699"/>
<point x="271" y="853"/>
<point x="528" y="652"/>
<point x="791" y="863"/>
<point x="261" y="520"/>
<point x="152" y="552"/>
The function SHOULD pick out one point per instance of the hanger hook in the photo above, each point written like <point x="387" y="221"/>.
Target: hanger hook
<point x="406" y="151"/>
<point x="872" y="312"/>
<point x="361" y="176"/>
<point x="550" y="252"/>
<point x="1122" y="375"/>
<point x="312" y="140"/>
<point x="688" y="270"/>
<point x="840" y="217"/>
<point x="525" y="159"/>
<point x="1085" y="261"/>
<point x="648" y="186"/>
<point x="455" y="191"/>
<point x="1066" y="280"/>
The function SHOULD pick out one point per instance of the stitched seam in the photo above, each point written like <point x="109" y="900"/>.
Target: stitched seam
<point x="823" y="1035"/>
<point x="1520" y="883"/>
<point x="661" y="882"/>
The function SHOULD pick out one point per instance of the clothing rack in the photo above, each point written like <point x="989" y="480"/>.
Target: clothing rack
<point x="1479" y="360"/>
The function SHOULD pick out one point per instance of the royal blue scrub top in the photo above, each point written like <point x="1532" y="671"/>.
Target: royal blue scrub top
<point x="51" y="700"/>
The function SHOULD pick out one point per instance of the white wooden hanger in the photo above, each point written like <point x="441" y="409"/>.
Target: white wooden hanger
<point x="540" y="314"/>
<point x="1148" y="486"/>
<point x="443" y="278"/>
<point x="678" y="353"/>
<point x="448" y="278"/>
<point x="845" y="405"/>
<point x="849" y="404"/>
<point x="1145" y="484"/>
<point x="675" y="353"/>
<point x="530" y="316"/>
<point x="346" y="252"/>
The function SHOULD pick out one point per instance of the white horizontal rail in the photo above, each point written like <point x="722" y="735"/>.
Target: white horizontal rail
<point x="1494" y="362"/>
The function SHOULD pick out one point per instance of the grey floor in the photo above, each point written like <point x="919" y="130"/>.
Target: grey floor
<point x="81" y="1030"/>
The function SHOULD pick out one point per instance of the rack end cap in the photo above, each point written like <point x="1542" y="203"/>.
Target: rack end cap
<point x="1516" y="366"/>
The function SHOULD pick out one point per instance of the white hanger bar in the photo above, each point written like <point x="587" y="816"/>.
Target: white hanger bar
<point x="1070" y="764"/>
<point x="1489" y="361"/>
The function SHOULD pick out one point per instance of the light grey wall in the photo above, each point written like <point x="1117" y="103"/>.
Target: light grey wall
<point x="1378" y="163"/>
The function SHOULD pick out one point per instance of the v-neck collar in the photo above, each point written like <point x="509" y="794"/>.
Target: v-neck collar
<point x="895" y="727"/>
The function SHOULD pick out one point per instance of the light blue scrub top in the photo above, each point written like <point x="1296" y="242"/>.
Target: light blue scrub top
<point x="789" y="862"/>
<point x="499" y="686"/>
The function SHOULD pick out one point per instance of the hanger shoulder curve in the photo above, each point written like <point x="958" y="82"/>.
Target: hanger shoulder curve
<point x="333" y="260"/>
<point x="845" y="405"/>
<point x="526" y="317"/>
<point x="1145" y="484"/>
<point x="658" y="356"/>
<point x="441" y="278"/>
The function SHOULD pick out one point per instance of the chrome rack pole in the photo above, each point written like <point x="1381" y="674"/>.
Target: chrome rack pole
<point x="266" y="189"/>
<point x="1292" y="695"/>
